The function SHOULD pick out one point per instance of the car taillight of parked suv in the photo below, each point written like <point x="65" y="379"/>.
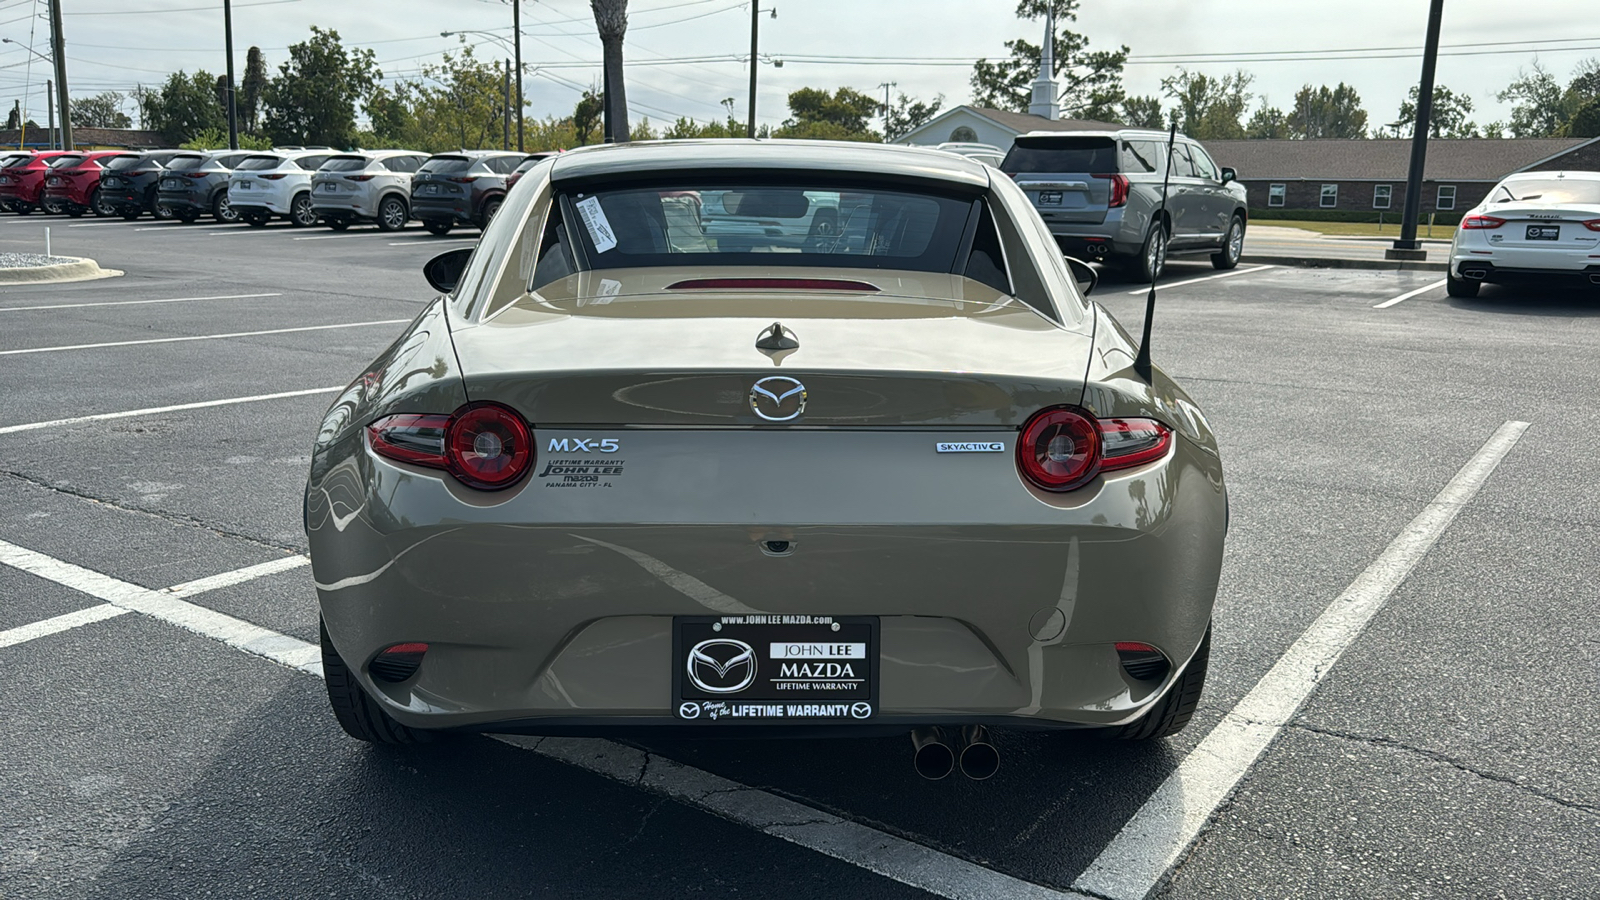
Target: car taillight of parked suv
<point x="1100" y="191"/>
<point x="196" y="184"/>
<point x="22" y="181"/>
<point x="131" y="183"/>
<point x="464" y="188"/>
<point x="373" y="186"/>
<point x="73" y="183"/>
<point x="264" y="185"/>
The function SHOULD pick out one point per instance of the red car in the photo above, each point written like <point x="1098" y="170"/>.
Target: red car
<point x="22" y="182"/>
<point x="73" y="182"/>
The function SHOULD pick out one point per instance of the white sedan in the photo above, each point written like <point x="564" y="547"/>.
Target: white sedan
<point x="1532" y="226"/>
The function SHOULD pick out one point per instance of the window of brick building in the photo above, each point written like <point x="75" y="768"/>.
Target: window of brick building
<point x="1330" y="196"/>
<point x="1380" y="195"/>
<point x="1275" y="194"/>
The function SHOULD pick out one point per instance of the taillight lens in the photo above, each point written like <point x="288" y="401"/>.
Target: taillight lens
<point x="464" y="179"/>
<point x="484" y="445"/>
<point x="275" y="177"/>
<point x="488" y="446"/>
<point x="1475" y="223"/>
<point x="358" y="178"/>
<point x="195" y="175"/>
<point x="1059" y="449"/>
<point x="1592" y="224"/>
<point x="1119" y="190"/>
<point x="1063" y="448"/>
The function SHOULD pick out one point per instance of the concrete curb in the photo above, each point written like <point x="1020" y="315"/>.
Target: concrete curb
<point x="1335" y="262"/>
<point x="80" y="269"/>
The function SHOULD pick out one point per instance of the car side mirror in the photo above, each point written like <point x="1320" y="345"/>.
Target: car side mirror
<point x="1083" y="274"/>
<point x="444" y="271"/>
<point x="1229" y="175"/>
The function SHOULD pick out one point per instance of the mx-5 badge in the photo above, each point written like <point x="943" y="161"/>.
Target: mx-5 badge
<point x="778" y="398"/>
<point x="722" y="666"/>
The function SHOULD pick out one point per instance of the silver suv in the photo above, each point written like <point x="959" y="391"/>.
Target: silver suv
<point x="368" y="186"/>
<point x="1099" y="191"/>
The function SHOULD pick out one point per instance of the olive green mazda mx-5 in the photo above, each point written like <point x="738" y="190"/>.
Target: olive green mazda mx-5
<point x="764" y="437"/>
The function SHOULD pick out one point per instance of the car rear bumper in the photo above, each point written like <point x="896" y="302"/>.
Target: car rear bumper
<point x="185" y="199"/>
<point x="456" y="210"/>
<point x="563" y="626"/>
<point x="66" y="195"/>
<point x="1475" y="269"/>
<point x="353" y="205"/>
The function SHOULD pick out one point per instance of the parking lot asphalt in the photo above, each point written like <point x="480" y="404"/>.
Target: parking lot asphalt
<point x="1449" y="752"/>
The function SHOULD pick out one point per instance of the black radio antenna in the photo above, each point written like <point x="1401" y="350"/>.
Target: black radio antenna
<point x="1141" y="363"/>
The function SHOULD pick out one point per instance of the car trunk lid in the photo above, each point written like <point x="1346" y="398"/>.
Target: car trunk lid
<point x="1531" y="225"/>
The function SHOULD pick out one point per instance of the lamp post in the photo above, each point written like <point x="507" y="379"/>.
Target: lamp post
<point x="58" y="48"/>
<point x="516" y="30"/>
<point x="233" y="106"/>
<point x="1407" y="246"/>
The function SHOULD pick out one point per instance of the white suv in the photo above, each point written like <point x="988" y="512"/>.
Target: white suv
<point x="1532" y="226"/>
<point x="276" y="183"/>
<point x="368" y="186"/>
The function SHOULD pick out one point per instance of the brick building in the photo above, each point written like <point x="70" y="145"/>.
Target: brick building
<point x="83" y="139"/>
<point x="1368" y="177"/>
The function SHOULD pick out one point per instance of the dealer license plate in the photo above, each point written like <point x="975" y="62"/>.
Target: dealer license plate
<point x="171" y="184"/>
<point x="245" y="185"/>
<point x="429" y="189"/>
<point x="1049" y="198"/>
<point x="1544" y="232"/>
<point x="327" y="187"/>
<point x="775" y="668"/>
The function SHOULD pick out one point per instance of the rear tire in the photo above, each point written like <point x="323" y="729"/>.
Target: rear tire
<point x="1463" y="288"/>
<point x="102" y="208"/>
<point x="437" y="226"/>
<point x="1232" y="246"/>
<point x="222" y="210"/>
<point x="359" y="715"/>
<point x="1169" y="716"/>
<point x="392" y="214"/>
<point x="301" y="213"/>
<point x="1152" y="259"/>
<point x="490" y="208"/>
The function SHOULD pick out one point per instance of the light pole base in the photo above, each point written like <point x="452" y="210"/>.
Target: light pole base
<point x="1397" y="253"/>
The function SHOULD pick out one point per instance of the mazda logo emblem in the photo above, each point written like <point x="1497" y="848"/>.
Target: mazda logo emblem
<point x="778" y="398"/>
<point x="722" y="666"/>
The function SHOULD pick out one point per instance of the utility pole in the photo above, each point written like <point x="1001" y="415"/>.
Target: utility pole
<point x="1408" y="247"/>
<point x="755" y="42"/>
<point x="886" y="86"/>
<point x="58" y="48"/>
<point x="233" y="104"/>
<point x="50" y="101"/>
<point x="516" y="28"/>
<point x="507" y="107"/>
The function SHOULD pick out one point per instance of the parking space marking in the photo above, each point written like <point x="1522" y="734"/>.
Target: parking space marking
<point x="135" y="302"/>
<point x="96" y="224"/>
<point x="1407" y="296"/>
<point x="237" y="576"/>
<point x="202" y="337"/>
<point x="157" y="410"/>
<point x="237" y="633"/>
<point x="419" y="241"/>
<point x="1170" y="820"/>
<point x="22" y="634"/>
<point x="1160" y="286"/>
<point x="330" y="237"/>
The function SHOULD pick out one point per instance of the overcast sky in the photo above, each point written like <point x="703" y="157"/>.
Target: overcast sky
<point x="115" y="44"/>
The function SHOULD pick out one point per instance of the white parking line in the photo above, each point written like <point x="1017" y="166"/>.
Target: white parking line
<point x="1170" y="820"/>
<point x="21" y="635"/>
<point x="420" y="242"/>
<point x="135" y="302"/>
<point x="280" y="648"/>
<point x="157" y="410"/>
<point x="1160" y="286"/>
<point x="96" y="224"/>
<point x="331" y="237"/>
<point x="1407" y="296"/>
<point x="237" y="576"/>
<point x="202" y="337"/>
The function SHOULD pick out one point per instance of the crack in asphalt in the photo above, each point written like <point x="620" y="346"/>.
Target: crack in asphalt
<point x="1436" y="756"/>
<point x="185" y="521"/>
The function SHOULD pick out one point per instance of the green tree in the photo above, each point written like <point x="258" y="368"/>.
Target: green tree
<point x="459" y="103"/>
<point x="1142" y="112"/>
<point x="843" y="115"/>
<point x="390" y="113"/>
<point x="1091" y="79"/>
<point x="252" y="89"/>
<point x="731" y="127"/>
<point x="907" y="113"/>
<point x="183" y="107"/>
<point x="103" y="110"/>
<point x="1451" y="118"/>
<point x="217" y="138"/>
<point x="1582" y="101"/>
<point x="1268" y="123"/>
<point x="1322" y="112"/>
<point x="1208" y="107"/>
<point x="611" y="21"/>
<point x="587" y="116"/>
<point x="1540" y="108"/>
<point x="313" y="99"/>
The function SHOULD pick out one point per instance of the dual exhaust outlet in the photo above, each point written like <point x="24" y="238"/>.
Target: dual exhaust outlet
<point x="1480" y="274"/>
<point x="936" y="752"/>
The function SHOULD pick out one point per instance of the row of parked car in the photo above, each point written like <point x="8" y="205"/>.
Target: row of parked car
<point x="305" y="185"/>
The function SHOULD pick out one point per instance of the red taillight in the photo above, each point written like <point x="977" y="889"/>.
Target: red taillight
<point x="358" y="178"/>
<point x="1119" y="190"/>
<point x="488" y="446"/>
<point x="1592" y="224"/>
<point x="399" y="662"/>
<point x="418" y="440"/>
<point x="463" y="179"/>
<point x="1063" y="448"/>
<point x="1475" y="223"/>
<point x="774" y="284"/>
<point x="275" y="177"/>
<point x="1059" y="449"/>
<point x="1122" y="647"/>
<point x="196" y="175"/>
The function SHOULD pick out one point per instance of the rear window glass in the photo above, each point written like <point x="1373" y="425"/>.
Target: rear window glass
<point x="447" y="164"/>
<point x="121" y="163"/>
<point x="771" y="224"/>
<point x="258" y="164"/>
<point x="1061" y="156"/>
<point x="345" y="164"/>
<point x="1554" y="190"/>
<point x="187" y="162"/>
<point x="65" y="162"/>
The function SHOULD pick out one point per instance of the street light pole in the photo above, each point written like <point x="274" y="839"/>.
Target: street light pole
<point x="506" y="107"/>
<point x="1408" y="247"/>
<point x="755" y="41"/>
<point x="50" y="101"/>
<point x="516" y="27"/>
<point x="58" y="46"/>
<point x="233" y="105"/>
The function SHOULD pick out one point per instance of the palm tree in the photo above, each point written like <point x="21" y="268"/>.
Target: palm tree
<point x="611" y="19"/>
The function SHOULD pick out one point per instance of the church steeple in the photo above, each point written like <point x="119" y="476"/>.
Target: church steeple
<point x="1045" y="91"/>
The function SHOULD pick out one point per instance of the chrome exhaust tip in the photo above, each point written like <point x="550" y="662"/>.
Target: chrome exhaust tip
<point x="932" y="756"/>
<point x="1474" y="274"/>
<point x="1594" y="278"/>
<point x="979" y="758"/>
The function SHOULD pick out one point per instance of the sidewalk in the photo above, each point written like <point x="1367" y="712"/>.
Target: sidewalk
<point x="1276" y="245"/>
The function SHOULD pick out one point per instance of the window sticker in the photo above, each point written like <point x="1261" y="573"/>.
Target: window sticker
<point x="594" y="219"/>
